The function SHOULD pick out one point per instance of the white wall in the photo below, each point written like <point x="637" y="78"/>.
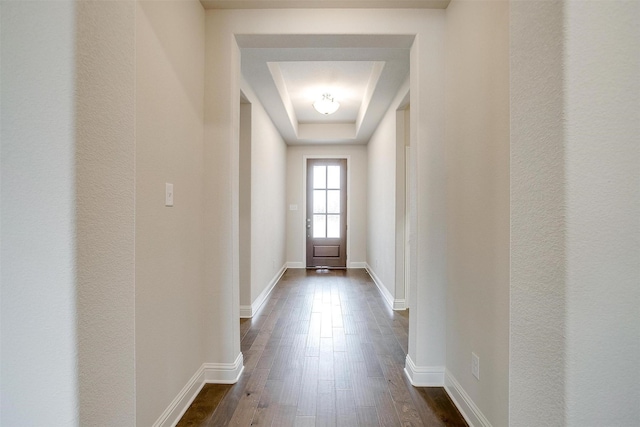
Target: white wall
<point x="68" y="213"/>
<point x="105" y="210"/>
<point x="602" y="207"/>
<point x="356" y="200"/>
<point x="244" y="204"/>
<point x="268" y="199"/>
<point x="221" y="166"/>
<point x="477" y="159"/>
<point x="38" y="220"/>
<point x="427" y="216"/>
<point x="385" y="171"/>
<point x="403" y="140"/>
<point x="536" y="364"/>
<point x="575" y="338"/>
<point x="170" y="303"/>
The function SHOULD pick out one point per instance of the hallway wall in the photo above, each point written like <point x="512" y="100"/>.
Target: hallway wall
<point x="575" y="209"/>
<point x="603" y="212"/>
<point x="105" y="210"/>
<point x="356" y="202"/>
<point x="221" y="190"/>
<point x="38" y="242"/>
<point x="170" y="303"/>
<point x="386" y="198"/>
<point x="67" y="257"/>
<point x="244" y="203"/>
<point x="268" y="167"/>
<point x="477" y="159"/>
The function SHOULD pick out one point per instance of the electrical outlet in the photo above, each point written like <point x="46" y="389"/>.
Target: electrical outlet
<point x="475" y="365"/>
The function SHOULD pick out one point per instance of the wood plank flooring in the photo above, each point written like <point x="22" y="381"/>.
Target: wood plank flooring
<point x="324" y="350"/>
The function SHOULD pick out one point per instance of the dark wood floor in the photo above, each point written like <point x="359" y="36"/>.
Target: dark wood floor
<point x="324" y="350"/>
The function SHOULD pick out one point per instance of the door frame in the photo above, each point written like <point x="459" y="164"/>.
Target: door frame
<point x="303" y="223"/>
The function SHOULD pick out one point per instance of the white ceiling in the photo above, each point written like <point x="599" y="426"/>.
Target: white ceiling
<point x="288" y="73"/>
<point x="368" y="4"/>
<point x="346" y="81"/>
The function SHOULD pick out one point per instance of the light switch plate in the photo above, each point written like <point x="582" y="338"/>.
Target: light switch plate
<point x="168" y="194"/>
<point x="293" y="207"/>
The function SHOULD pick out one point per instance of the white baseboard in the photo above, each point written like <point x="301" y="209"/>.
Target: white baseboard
<point x="399" y="304"/>
<point x="224" y="373"/>
<point x="180" y="404"/>
<point x="216" y="373"/>
<point x="469" y="410"/>
<point x="424" y="376"/>
<point x="394" y="304"/>
<point x="247" y="312"/>
<point x="381" y="287"/>
<point x="355" y="264"/>
<point x="295" y="265"/>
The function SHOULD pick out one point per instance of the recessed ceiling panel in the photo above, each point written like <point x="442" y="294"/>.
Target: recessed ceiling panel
<point x="345" y="81"/>
<point x="288" y="73"/>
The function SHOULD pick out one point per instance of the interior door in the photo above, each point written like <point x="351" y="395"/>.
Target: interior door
<point x="326" y="222"/>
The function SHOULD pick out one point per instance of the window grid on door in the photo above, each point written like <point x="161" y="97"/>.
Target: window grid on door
<point x="326" y="202"/>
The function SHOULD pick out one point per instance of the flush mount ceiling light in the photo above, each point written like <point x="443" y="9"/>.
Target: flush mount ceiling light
<point x="326" y="104"/>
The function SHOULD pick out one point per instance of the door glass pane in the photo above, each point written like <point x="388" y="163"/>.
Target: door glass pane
<point x="319" y="201"/>
<point x="319" y="177"/>
<point x="333" y="226"/>
<point x="319" y="226"/>
<point x="333" y="201"/>
<point x="334" y="177"/>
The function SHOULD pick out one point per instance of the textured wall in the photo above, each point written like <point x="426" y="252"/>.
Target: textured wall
<point x="385" y="167"/>
<point x="221" y="189"/>
<point x="356" y="203"/>
<point x="602" y="175"/>
<point x="536" y="371"/>
<point x="38" y="312"/>
<point x="68" y="213"/>
<point x="105" y="132"/>
<point x="427" y="326"/>
<point x="244" y="202"/>
<point x="575" y="236"/>
<point x="477" y="135"/>
<point x="170" y="304"/>
<point x="268" y="200"/>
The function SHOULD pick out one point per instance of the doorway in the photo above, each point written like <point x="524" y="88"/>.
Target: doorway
<point x="326" y="221"/>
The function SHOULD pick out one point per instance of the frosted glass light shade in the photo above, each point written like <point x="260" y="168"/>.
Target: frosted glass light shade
<point x="326" y="105"/>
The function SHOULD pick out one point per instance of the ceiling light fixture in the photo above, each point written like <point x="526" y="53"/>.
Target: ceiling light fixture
<point x="326" y="104"/>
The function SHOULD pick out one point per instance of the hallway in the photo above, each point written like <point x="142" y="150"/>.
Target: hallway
<point x="324" y="350"/>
